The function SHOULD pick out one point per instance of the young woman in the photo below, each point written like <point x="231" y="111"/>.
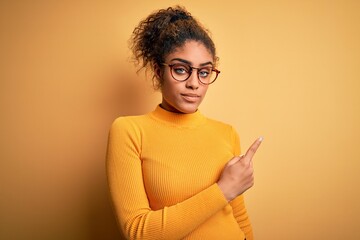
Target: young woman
<point x="173" y="173"/>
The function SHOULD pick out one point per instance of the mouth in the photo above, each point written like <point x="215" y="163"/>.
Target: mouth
<point x="190" y="97"/>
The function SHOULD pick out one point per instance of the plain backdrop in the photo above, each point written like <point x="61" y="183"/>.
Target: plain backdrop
<point x="290" y="71"/>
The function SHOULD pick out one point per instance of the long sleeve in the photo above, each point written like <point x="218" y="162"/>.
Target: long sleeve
<point x="242" y="217"/>
<point x="136" y="218"/>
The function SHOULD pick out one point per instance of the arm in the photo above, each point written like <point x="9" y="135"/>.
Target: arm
<point x="242" y="217"/>
<point x="137" y="220"/>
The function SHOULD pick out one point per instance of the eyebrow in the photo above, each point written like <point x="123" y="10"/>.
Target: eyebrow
<point x="190" y="63"/>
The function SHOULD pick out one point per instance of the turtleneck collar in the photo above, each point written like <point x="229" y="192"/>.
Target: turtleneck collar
<point x="178" y="119"/>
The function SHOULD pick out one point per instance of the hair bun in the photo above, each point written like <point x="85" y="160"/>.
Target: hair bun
<point x="180" y="15"/>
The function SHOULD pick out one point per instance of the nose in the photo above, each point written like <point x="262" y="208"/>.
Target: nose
<point x="193" y="81"/>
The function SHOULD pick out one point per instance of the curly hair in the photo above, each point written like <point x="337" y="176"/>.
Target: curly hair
<point x="161" y="33"/>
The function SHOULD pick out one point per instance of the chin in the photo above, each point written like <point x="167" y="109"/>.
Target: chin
<point x="180" y="106"/>
<point x="188" y="108"/>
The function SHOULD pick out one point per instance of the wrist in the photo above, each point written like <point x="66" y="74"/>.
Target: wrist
<point x="226" y="191"/>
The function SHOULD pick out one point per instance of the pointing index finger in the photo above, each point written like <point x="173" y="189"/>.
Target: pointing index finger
<point x="252" y="150"/>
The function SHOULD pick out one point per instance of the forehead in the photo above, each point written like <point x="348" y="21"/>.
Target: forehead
<point x="194" y="52"/>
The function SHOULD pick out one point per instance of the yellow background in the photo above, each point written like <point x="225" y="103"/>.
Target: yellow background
<point x="290" y="72"/>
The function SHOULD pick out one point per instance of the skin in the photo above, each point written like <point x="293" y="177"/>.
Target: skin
<point x="185" y="97"/>
<point x="238" y="174"/>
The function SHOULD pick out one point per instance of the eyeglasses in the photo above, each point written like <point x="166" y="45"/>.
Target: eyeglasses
<point x="182" y="72"/>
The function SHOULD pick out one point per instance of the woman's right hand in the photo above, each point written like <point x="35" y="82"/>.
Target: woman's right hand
<point x="237" y="176"/>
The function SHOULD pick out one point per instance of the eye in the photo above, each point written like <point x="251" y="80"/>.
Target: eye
<point x="204" y="72"/>
<point x="180" y="69"/>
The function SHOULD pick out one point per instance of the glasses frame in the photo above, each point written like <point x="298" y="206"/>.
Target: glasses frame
<point x="191" y="71"/>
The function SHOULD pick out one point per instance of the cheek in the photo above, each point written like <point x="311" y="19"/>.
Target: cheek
<point x="204" y="90"/>
<point x="169" y="86"/>
<point x="169" y="90"/>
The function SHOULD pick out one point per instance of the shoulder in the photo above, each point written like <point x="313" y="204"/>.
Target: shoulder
<point x="222" y="129"/>
<point x="128" y="124"/>
<point x="127" y="121"/>
<point x="220" y="125"/>
<point x="228" y="132"/>
<point x="124" y="121"/>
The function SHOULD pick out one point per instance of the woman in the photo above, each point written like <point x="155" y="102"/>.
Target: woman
<point x="173" y="173"/>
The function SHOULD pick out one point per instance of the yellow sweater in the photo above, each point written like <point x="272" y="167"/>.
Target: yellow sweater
<point x="162" y="170"/>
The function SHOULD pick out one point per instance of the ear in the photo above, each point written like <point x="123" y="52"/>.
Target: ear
<point x="157" y="71"/>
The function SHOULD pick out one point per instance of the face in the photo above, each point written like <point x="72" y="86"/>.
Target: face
<point x="186" y="96"/>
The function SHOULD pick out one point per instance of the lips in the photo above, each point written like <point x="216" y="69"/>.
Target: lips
<point x="190" y="97"/>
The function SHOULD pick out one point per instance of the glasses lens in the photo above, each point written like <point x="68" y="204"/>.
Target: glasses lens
<point x="180" y="72"/>
<point x="207" y="75"/>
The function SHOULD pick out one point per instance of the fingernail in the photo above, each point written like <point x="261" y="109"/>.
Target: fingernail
<point x="261" y="139"/>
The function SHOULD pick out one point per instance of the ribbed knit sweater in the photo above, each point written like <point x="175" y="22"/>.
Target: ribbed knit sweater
<point x="162" y="171"/>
